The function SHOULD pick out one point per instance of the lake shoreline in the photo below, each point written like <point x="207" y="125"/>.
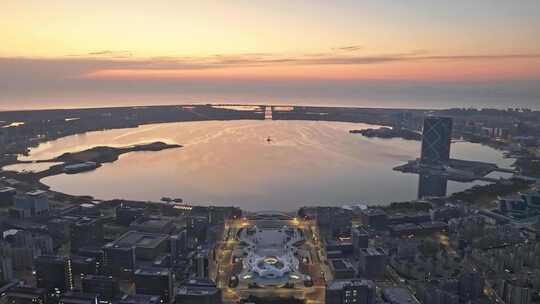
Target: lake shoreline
<point x="228" y="140"/>
<point x="97" y="155"/>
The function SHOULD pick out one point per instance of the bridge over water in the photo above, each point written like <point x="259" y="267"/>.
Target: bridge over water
<point x="268" y="113"/>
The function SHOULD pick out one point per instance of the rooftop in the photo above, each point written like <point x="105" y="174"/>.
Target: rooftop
<point x="51" y="258"/>
<point x="140" y="299"/>
<point x="36" y="192"/>
<point x="434" y="224"/>
<point x="82" y="221"/>
<point x="373" y="211"/>
<point x="199" y="282"/>
<point x="10" y="232"/>
<point x="196" y="290"/>
<point x="7" y="189"/>
<point x="98" y="277"/>
<point x="373" y="251"/>
<point x="129" y="207"/>
<point x="340" y="284"/>
<point x="152" y="271"/>
<point x="404" y="227"/>
<point x="360" y="230"/>
<point x="340" y="264"/>
<point x="26" y="292"/>
<point x="79" y="297"/>
<point x="138" y="239"/>
<point x="156" y="223"/>
<point x="397" y="295"/>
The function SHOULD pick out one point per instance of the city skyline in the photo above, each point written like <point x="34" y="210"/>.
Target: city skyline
<point x="269" y="152"/>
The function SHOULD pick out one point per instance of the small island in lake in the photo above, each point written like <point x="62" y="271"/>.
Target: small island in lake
<point x="90" y="159"/>
<point x="385" y="132"/>
<point x="105" y="154"/>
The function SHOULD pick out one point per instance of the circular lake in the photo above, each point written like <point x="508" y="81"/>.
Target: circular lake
<point x="231" y="163"/>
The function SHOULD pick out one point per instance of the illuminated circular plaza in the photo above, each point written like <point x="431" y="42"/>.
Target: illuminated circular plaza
<point x="270" y="253"/>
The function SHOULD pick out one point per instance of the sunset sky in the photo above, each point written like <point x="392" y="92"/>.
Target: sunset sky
<point x="72" y="53"/>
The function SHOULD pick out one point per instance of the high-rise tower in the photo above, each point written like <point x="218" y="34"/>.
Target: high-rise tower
<point x="436" y="139"/>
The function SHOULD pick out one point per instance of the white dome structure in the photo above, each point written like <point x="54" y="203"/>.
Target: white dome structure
<point x="270" y="255"/>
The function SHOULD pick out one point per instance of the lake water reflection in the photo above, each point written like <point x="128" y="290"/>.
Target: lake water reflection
<point x="233" y="163"/>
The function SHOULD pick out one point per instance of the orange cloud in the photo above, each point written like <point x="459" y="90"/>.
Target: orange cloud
<point x="428" y="69"/>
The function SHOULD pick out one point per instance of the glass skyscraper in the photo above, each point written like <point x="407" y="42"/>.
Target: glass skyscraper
<point x="436" y="139"/>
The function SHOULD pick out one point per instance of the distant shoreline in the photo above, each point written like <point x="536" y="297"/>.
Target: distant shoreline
<point x="47" y="125"/>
